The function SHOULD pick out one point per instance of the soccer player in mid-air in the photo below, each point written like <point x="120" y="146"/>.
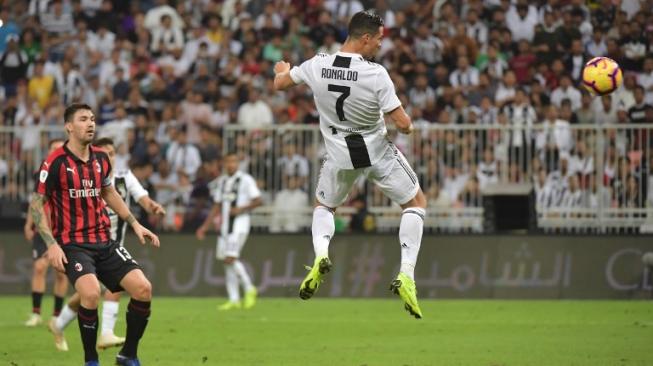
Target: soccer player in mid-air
<point x="352" y="95"/>
<point x="235" y="194"/>
<point x="40" y="269"/>
<point x="128" y="187"/>
<point x="75" y="181"/>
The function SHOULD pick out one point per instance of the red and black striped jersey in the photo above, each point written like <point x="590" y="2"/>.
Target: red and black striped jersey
<point x="73" y="189"/>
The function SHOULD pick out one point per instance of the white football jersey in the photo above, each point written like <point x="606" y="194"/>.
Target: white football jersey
<point x="351" y="95"/>
<point x="127" y="187"/>
<point x="235" y="191"/>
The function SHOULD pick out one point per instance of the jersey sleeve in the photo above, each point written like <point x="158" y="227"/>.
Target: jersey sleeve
<point x="134" y="187"/>
<point x="385" y="91"/>
<point x="106" y="172"/>
<point x="251" y="189"/>
<point x="46" y="177"/>
<point x="302" y="73"/>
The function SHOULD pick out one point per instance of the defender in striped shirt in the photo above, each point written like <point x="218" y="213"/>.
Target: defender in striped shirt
<point x="75" y="181"/>
<point x="127" y="187"/>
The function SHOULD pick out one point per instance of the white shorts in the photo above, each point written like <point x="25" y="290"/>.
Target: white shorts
<point x="392" y="174"/>
<point x="230" y="246"/>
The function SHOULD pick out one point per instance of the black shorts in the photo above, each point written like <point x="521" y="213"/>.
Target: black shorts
<point x="110" y="263"/>
<point x="38" y="247"/>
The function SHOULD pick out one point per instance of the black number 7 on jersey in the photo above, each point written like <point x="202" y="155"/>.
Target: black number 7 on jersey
<point x="344" y="90"/>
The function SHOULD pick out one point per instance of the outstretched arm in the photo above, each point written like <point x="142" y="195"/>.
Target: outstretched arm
<point x="282" y="79"/>
<point x="151" y="206"/>
<point x="115" y="202"/>
<point x="402" y="120"/>
<point x="200" y="233"/>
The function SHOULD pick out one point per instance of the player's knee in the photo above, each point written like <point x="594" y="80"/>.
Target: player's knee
<point x="90" y="298"/>
<point x="60" y="277"/>
<point x="143" y="291"/>
<point x="40" y="267"/>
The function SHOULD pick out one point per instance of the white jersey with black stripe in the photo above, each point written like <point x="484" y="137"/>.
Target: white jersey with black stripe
<point x="230" y="191"/>
<point x="351" y="95"/>
<point x="127" y="186"/>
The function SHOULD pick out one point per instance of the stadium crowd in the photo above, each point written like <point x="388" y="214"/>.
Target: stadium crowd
<point x="165" y="77"/>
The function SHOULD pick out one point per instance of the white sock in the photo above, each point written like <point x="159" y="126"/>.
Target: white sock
<point x="243" y="276"/>
<point x="232" y="283"/>
<point x="323" y="228"/>
<point x="109" y="316"/>
<point x="65" y="317"/>
<point x="410" y="238"/>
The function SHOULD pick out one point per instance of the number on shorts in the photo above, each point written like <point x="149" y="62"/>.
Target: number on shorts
<point x="124" y="254"/>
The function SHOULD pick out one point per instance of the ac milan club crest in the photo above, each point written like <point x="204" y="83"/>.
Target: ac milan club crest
<point x="78" y="267"/>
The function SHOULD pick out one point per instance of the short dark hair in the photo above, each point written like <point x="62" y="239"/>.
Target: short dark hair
<point x="54" y="141"/>
<point x="70" y="111"/>
<point x="364" y="22"/>
<point x="105" y="141"/>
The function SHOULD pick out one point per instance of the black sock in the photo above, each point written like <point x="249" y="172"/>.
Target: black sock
<point x="87" y="319"/>
<point x="36" y="302"/>
<point x="138" y="313"/>
<point x="58" y="304"/>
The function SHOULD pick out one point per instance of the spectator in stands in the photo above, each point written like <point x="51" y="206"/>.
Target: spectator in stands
<point x="488" y="169"/>
<point x="604" y="111"/>
<point x="575" y="60"/>
<point x="289" y="204"/>
<point x="632" y="196"/>
<point x="521" y="19"/>
<point x="585" y="113"/>
<point x="476" y="29"/>
<point x="506" y="91"/>
<point x="102" y="41"/>
<point x="428" y="47"/>
<point x="572" y="196"/>
<point x="194" y="114"/>
<point x="554" y="135"/>
<point x="421" y="93"/>
<point x="566" y="91"/>
<point x="292" y="164"/>
<point x="464" y="78"/>
<point x="645" y="79"/>
<point x="597" y="46"/>
<point x="598" y="195"/>
<point x="166" y="37"/>
<point x="13" y="65"/>
<point x="255" y="111"/>
<point x="40" y="86"/>
<point x="184" y="157"/>
<point x="117" y="129"/>
<point x="637" y="113"/>
<point x="493" y="63"/>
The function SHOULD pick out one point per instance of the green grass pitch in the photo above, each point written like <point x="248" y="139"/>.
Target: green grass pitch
<point x="190" y="331"/>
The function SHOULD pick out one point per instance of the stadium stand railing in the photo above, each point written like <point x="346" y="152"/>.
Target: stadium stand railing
<point x="584" y="178"/>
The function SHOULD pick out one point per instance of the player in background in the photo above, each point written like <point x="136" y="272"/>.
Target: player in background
<point x="235" y="194"/>
<point x="352" y="95"/>
<point x="128" y="187"/>
<point x="75" y="181"/>
<point x="40" y="266"/>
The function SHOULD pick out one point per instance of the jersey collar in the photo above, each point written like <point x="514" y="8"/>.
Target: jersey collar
<point x="91" y="156"/>
<point x="349" y="54"/>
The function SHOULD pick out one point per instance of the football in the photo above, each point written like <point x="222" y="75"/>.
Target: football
<point x="602" y="75"/>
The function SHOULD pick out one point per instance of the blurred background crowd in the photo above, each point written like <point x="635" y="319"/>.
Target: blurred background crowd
<point x="177" y="83"/>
